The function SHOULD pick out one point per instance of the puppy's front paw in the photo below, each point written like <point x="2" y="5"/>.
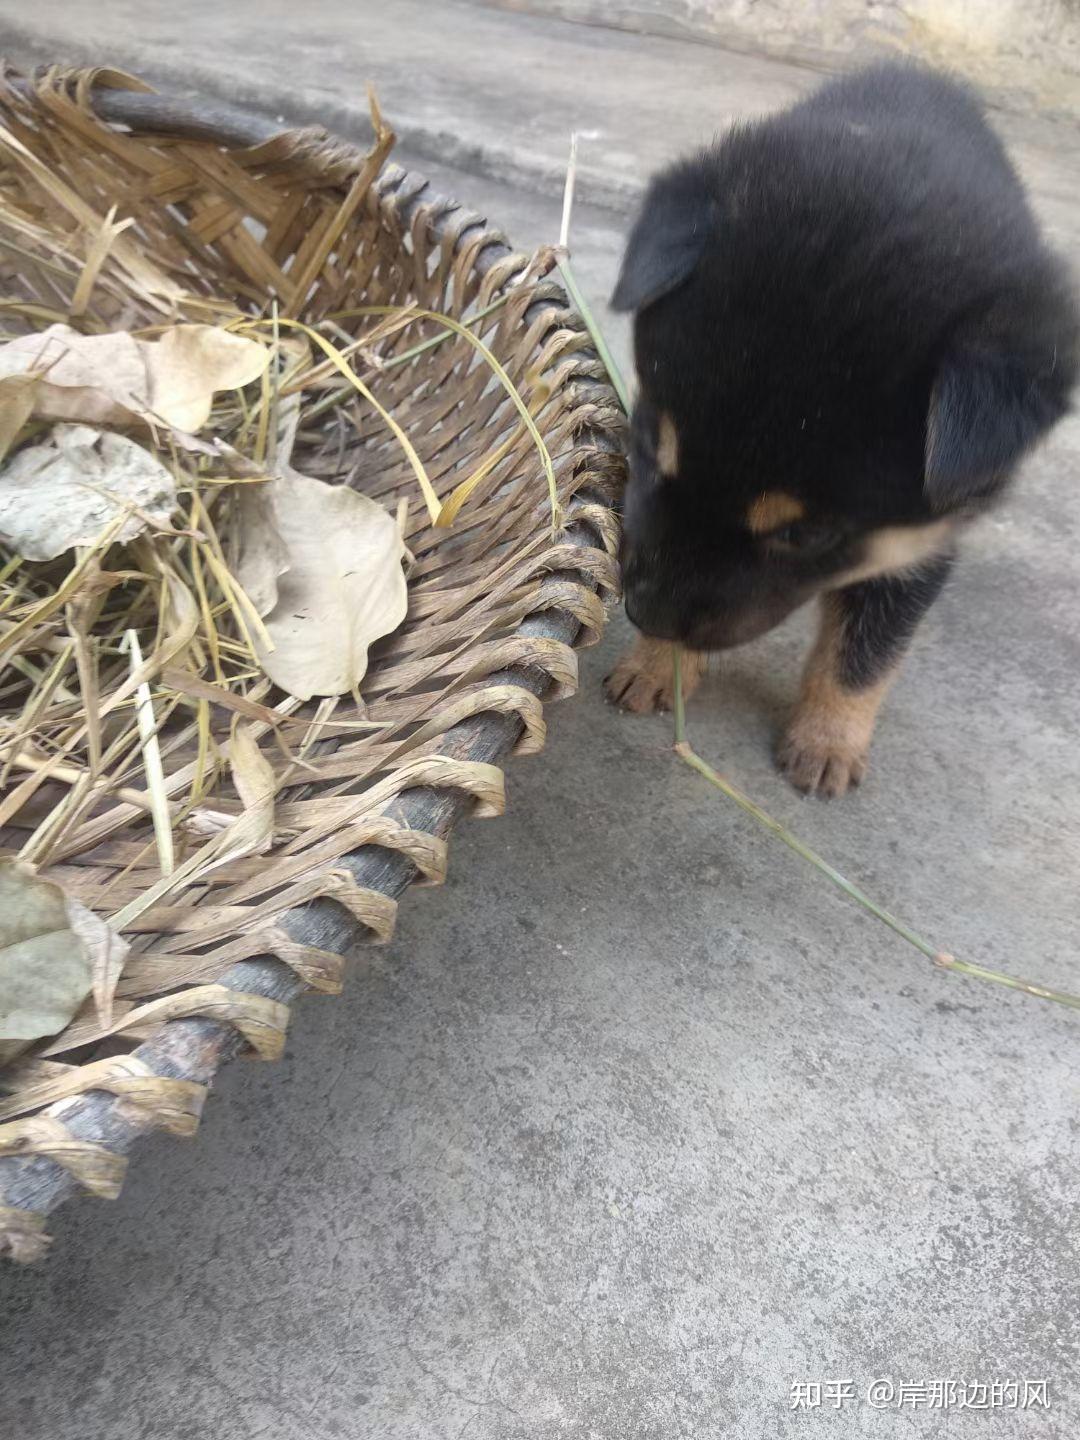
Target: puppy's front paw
<point x="640" y="687"/>
<point x="644" y="678"/>
<point x="819" y="763"/>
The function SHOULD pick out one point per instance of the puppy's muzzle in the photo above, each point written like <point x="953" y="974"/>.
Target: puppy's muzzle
<point x="739" y="627"/>
<point x="656" y="608"/>
<point x="650" y="602"/>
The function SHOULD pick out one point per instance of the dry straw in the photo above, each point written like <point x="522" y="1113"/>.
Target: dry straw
<point x="237" y="835"/>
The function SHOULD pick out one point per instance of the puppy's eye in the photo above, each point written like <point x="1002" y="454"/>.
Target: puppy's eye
<point x="807" y="537"/>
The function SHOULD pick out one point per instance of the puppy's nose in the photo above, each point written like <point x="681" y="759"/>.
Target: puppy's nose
<point x="649" y="608"/>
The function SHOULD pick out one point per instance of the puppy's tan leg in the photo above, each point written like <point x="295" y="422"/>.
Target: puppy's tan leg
<point x="643" y="679"/>
<point x="865" y="630"/>
<point x="827" y="744"/>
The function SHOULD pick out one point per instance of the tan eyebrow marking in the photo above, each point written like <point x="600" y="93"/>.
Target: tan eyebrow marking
<point x="770" y="511"/>
<point x="667" y="447"/>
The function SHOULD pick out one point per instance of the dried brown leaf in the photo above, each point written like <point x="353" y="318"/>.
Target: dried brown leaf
<point x="190" y="362"/>
<point x="53" y="953"/>
<point x="252" y="831"/>
<point x="107" y="952"/>
<point x="99" y="379"/>
<point x="343" y="588"/>
<point x="16" y="407"/>
<point x="253" y="776"/>
<point x="66" y="490"/>
<point x="261" y="554"/>
<point x="116" y="378"/>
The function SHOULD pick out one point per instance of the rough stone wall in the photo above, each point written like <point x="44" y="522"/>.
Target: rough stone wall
<point x="1026" y="53"/>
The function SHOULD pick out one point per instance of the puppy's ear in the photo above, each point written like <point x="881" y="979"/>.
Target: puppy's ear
<point x="668" y="238"/>
<point x="989" y="404"/>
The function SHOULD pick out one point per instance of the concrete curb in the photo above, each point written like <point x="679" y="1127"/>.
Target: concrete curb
<point x="480" y="90"/>
<point x="465" y="148"/>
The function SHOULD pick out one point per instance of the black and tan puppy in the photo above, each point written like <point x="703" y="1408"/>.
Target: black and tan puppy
<point x="848" y="331"/>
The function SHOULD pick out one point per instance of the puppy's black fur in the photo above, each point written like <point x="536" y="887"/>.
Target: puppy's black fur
<point x="848" y="331"/>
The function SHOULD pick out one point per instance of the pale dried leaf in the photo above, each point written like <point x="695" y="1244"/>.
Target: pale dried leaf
<point x="116" y="378"/>
<point x="100" y="379"/>
<point x="252" y="831"/>
<point x="205" y="822"/>
<point x="344" y="587"/>
<point x="253" y="776"/>
<point x="107" y="951"/>
<point x="46" y="967"/>
<point x="16" y="407"/>
<point x="261" y="555"/>
<point x="64" y="491"/>
<point x="190" y="362"/>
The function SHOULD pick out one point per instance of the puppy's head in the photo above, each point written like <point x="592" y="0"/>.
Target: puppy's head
<point x="832" y="378"/>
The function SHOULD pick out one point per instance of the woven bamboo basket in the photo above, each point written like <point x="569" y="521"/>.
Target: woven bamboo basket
<point x="230" y="207"/>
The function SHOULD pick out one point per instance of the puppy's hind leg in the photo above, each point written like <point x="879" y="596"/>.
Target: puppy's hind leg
<point x="865" y="630"/>
<point x="643" y="679"/>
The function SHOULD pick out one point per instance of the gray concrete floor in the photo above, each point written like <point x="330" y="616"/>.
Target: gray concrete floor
<point x="636" y="1123"/>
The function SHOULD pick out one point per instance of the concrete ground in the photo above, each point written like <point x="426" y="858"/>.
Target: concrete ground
<point x="638" y="1122"/>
